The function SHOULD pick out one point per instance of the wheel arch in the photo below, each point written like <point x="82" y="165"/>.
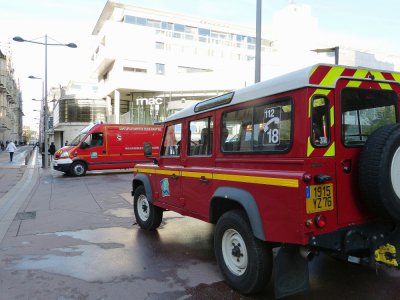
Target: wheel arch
<point x="142" y="179"/>
<point x="81" y="161"/>
<point x="228" y="198"/>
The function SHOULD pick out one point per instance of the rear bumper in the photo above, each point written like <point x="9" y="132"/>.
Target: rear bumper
<point x="62" y="165"/>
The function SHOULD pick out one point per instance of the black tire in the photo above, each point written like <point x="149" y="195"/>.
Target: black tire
<point x="379" y="172"/>
<point x="78" y="169"/>
<point x="147" y="215"/>
<point x="245" y="261"/>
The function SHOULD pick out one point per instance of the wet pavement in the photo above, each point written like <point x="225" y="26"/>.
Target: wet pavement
<point x="76" y="238"/>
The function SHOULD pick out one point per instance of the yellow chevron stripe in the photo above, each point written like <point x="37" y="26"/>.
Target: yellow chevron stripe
<point x="360" y="73"/>
<point x="310" y="148"/>
<point x="332" y="115"/>
<point x="379" y="76"/>
<point x="396" y="76"/>
<point x="331" y="150"/>
<point x="332" y="75"/>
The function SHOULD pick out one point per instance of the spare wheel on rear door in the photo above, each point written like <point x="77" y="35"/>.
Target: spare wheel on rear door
<point x="379" y="171"/>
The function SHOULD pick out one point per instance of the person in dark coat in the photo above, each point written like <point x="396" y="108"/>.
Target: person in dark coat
<point x="52" y="150"/>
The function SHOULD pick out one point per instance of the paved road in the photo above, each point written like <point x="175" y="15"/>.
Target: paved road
<point x="76" y="238"/>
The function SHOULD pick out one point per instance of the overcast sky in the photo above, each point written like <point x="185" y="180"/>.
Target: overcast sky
<point x="369" y="24"/>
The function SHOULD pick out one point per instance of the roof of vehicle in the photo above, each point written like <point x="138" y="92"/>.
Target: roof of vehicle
<point x="319" y="75"/>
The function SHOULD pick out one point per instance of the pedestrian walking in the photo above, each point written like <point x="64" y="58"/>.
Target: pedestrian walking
<point x="52" y="150"/>
<point x="11" y="148"/>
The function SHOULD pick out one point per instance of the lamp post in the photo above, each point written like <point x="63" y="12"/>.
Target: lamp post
<point x="45" y="109"/>
<point x="42" y="133"/>
<point x="258" y="43"/>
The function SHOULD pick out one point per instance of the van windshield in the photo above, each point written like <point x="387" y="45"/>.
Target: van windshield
<point x="77" y="140"/>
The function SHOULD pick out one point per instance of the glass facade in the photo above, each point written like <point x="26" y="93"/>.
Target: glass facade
<point x="153" y="107"/>
<point x="81" y="110"/>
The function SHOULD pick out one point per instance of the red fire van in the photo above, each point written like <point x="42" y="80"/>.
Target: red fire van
<point x="304" y="163"/>
<point x="106" y="146"/>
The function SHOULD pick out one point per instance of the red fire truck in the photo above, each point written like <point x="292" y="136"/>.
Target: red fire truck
<point x="304" y="163"/>
<point x="106" y="146"/>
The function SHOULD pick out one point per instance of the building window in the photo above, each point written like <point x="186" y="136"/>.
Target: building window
<point x="160" y="45"/>
<point x="160" y="69"/>
<point x="204" y="32"/>
<point x="182" y="69"/>
<point x="179" y="27"/>
<point x="136" y="70"/>
<point x="154" y="23"/>
<point x="130" y="19"/>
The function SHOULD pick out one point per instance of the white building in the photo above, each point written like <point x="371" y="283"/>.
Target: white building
<point x="10" y="101"/>
<point x="151" y="63"/>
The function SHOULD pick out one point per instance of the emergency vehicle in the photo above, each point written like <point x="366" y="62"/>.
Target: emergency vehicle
<point x="106" y="146"/>
<point x="304" y="163"/>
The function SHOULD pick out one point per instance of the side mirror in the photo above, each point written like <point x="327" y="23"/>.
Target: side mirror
<point x="148" y="150"/>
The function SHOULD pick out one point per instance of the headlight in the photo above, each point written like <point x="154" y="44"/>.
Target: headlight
<point x="64" y="154"/>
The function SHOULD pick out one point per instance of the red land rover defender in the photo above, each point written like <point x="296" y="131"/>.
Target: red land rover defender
<point x="303" y="163"/>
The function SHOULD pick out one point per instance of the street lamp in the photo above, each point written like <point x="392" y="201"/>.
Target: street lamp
<point x="42" y="121"/>
<point x="45" y="112"/>
<point x="335" y="50"/>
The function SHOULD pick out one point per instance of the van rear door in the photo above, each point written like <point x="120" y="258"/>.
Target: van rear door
<point x="362" y="106"/>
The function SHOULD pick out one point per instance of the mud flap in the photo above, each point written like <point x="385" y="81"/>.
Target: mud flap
<point x="290" y="272"/>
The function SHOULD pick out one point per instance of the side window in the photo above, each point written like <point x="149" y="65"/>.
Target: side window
<point x="365" y="110"/>
<point x="172" y="139"/>
<point x="320" y="121"/>
<point x="94" y="140"/>
<point x="200" y="137"/>
<point x="264" y="128"/>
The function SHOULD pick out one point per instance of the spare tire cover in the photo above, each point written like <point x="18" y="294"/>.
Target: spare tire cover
<point x="379" y="172"/>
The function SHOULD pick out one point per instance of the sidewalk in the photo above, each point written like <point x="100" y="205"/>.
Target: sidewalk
<point x="16" y="183"/>
<point x="11" y="172"/>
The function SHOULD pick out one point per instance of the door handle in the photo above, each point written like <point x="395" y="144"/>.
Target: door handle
<point x="203" y="179"/>
<point x="322" y="178"/>
<point x="174" y="177"/>
<point x="104" y="151"/>
<point x="346" y="164"/>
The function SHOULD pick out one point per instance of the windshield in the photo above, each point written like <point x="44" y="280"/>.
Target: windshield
<point x="77" y="140"/>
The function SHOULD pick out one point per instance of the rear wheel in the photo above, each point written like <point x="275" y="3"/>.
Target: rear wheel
<point x="147" y="215"/>
<point x="245" y="261"/>
<point x="78" y="168"/>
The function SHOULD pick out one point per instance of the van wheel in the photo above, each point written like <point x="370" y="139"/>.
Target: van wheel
<point x="147" y="215"/>
<point x="379" y="172"/>
<point x="245" y="261"/>
<point x="78" y="168"/>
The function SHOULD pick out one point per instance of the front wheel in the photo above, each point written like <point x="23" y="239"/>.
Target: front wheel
<point x="78" y="168"/>
<point x="245" y="261"/>
<point x="147" y="215"/>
